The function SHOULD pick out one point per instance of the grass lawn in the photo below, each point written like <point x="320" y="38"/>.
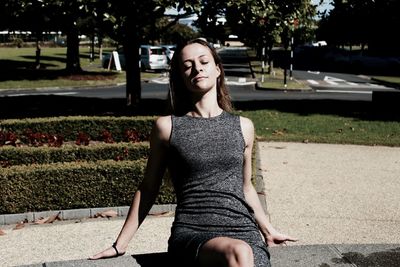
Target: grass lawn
<point x="389" y="79"/>
<point x="17" y="65"/>
<point x="273" y="125"/>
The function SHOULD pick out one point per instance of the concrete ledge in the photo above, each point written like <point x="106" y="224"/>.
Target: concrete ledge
<point x="142" y="260"/>
<point x="76" y="214"/>
<point x="259" y="181"/>
<point x="387" y="255"/>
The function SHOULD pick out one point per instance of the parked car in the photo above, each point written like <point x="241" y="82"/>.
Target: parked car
<point x="151" y="58"/>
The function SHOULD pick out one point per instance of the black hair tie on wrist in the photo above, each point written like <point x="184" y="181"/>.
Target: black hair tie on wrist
<point x="115" y="247"/>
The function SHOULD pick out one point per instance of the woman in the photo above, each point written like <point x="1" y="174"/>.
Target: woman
<point x="219" y="218"/>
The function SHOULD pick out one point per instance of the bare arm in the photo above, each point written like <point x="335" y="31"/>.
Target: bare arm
<point x="148" y="190"/>
<point x="272" y="236"/>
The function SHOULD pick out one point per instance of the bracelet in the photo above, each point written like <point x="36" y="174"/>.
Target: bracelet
<point x="114" y="246"/>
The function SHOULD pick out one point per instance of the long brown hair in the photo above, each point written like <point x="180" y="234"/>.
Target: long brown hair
<point x="180" y="97"/>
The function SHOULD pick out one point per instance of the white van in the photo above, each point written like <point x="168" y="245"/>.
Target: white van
<point x="153" y="58"/>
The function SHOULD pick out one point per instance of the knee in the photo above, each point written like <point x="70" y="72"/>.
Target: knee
<point x="239" y="254"/>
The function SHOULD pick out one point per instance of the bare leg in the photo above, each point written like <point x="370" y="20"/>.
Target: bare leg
<point x="225" y="251"/>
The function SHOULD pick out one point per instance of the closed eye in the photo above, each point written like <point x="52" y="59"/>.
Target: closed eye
<point x="187" y="66"/>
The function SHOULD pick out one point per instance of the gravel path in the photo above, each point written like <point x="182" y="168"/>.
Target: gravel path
<point x="340" y="194"/>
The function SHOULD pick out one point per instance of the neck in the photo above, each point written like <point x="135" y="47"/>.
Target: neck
<point x="206" y="106"/>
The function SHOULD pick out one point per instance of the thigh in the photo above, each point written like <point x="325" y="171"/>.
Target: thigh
<point x="185" y="245"/>
<point x="261" y="256"/>
<point x="216" y="251"/>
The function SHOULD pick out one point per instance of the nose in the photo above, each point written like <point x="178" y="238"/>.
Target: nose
<point x="198" y="67"/>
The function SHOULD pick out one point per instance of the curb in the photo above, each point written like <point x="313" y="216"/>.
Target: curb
<point x="32" y="91"/>
<point x="261" y="88"/>
<point x="77" y="214"/>
<point x="259" y="181"/>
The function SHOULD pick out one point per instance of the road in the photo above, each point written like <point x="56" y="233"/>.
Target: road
<point x="238" y="93"/>
<point x="325" y="86"/>
<point x="339" y="82"/>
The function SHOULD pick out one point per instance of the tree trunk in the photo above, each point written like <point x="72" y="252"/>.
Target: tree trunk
<point x="73" y="61"/>
<point x="92" y="39"/>
<point x="100" y="48"/>
<point x="270" y="60"/>
<point x="38" y="51"/>
<point x="131" y="46"/>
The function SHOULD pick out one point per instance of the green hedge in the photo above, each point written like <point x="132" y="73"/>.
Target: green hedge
<point x="10" y="156"/>
<point x="70" y="127"/>
<point x="73" y="185"/>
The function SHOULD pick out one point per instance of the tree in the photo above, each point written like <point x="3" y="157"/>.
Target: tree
<point x="35" y="16"/>
<point x="66" y="15"/>
<point x="208" y="22"/>
<point x="366" y="23"/>
<point x="10" y="11"/>
<point x="38" y="16"/>
<point x="263" y="24"/>
<point x="171" y="32"/>
<point x="130" y="21"/>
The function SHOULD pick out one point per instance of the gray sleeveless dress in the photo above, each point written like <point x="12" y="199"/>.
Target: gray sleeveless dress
<point x="206" y="166"/>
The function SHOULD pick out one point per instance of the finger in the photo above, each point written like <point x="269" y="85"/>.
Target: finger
<point x="108" y="253"/>
<point x="95" y="257"/>
<point x="100" y="255"/>
<point x="291" y="239"/>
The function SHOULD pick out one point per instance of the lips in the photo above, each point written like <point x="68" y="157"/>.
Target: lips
<point x="198" y="79"/>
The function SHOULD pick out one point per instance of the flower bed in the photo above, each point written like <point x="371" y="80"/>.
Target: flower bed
<point x="73" y="162"/>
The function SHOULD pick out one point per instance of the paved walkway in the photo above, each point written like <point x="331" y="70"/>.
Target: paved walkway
<point x="341" y="201"/>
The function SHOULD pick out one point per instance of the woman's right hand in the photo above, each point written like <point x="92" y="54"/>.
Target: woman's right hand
<point x="110" y="252"/>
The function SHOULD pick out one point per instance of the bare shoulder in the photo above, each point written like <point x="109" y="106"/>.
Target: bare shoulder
<point x="247" y="129"/>
<point x="246" y="124"/>
<point x="162" y="128"/>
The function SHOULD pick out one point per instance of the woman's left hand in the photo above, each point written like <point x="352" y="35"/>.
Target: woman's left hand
<point x="276" y="238"/>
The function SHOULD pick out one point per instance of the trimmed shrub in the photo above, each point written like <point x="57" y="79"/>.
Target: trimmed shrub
<point x="74" y="185"/>
<point x="10" y="156"/>
<point x="118" y="128"/>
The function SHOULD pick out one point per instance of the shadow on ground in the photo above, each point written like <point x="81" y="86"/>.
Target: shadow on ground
<point x="300" y="256"/>
<point x="51" y="105"/>
<point x="382" y="258"/>
<point x="16" y="70"/>
<point x="152" y="260"/>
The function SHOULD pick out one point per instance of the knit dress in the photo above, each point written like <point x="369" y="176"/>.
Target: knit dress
<point x="206" y="166"/>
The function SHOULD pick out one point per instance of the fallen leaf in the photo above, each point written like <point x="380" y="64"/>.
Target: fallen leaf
<point x="276" y="132"/>
<point x="162" y="214"/>
<point x="49" y="219"/>
<point x="19" y="226"/>
<point x="106" y="214"/>
<point x="2" y="232"/>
